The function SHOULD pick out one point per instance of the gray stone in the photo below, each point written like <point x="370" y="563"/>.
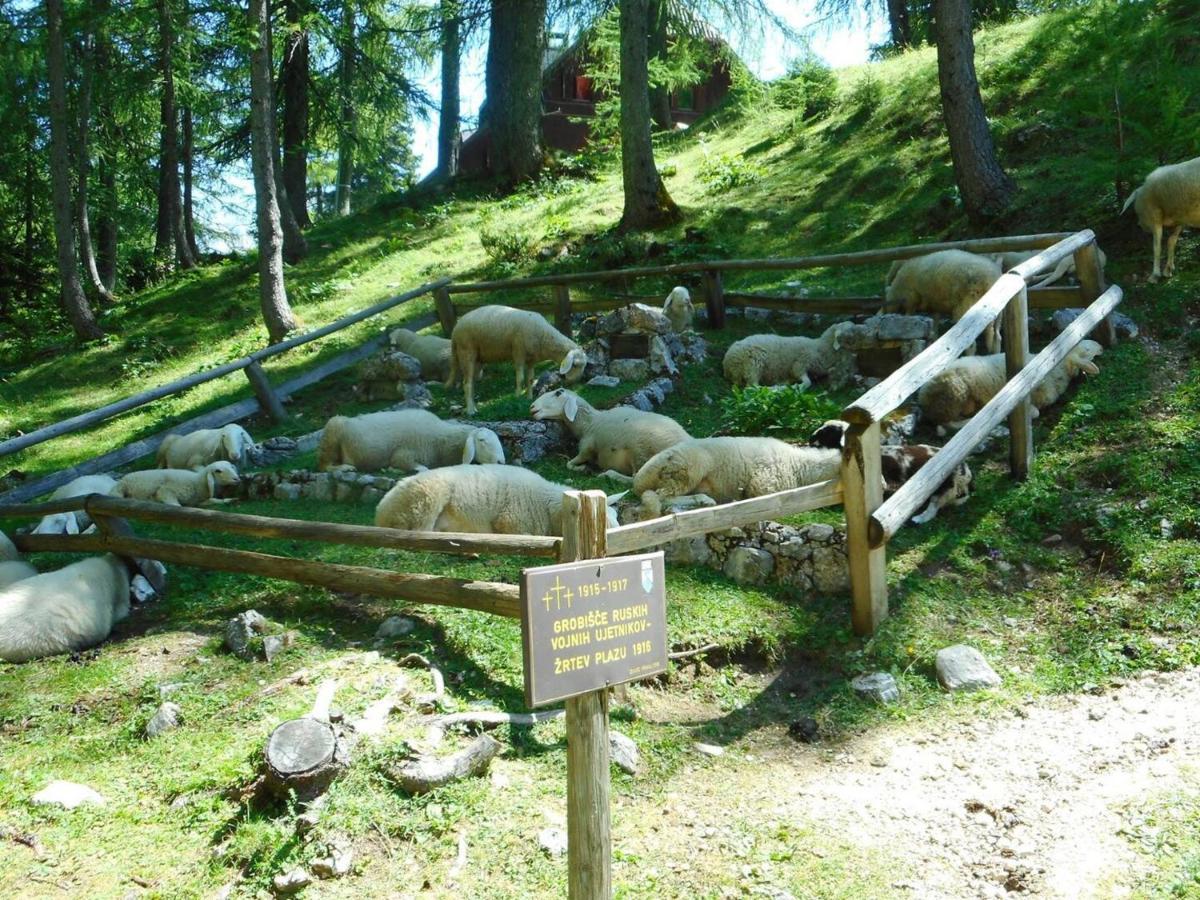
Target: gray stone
<point x="321" y="488"/>
<point x="757" y="314"/>
<point x="963" y="668"/>
<point x="693" y="551"/>
<point x="708" y="749"/>
<point x="273" y="645"/>
<point x="686" y="502"/>
<point x="309" y="441"/>
<point x="624" y="752"/>
<point x="166" y="717"/>
<point x="338" y="863"/>
<point x="830" y="571"/>
<point x="636" y="317"/>
<point x="169" y="690"/>
<point x="394" y="627"/>
<point x="553" y="842"/>
<point x="608" y="381"/>
<point x="661" y="360"/>
<point x="291" y="882"/>
<point x="892" y="327"/>
<point x="286" y="491"/>
<point x="795" y="548"/>
<point x="878" y="686"/>
<point x="629" y="369"/>
<point x="1124" y="325"/>
<point x="271" y="451"/>
<point x="749" y="565"/>
<point x="240" y="630"/>
<point x="819" y="532"/>
<point x="67" y="794"/>
<point x="371" y="495"/>
<point x="344" y="491"/>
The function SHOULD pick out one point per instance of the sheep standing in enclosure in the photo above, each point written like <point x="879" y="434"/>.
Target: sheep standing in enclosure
<point x="431" y="351"/>
<point x="678" y="308"/>
<point x="58" y="612"/>
<point x="1065" y="267"/>
<point x="76" y="521"/>
<point x="1168" y="198"/>
<point x="731" y="468"/>
<point x="966" y="385"/>
<point x="406" y="439"/>
<point x="489" y="499"/>
<point x="497" y="333"/>
<point x="947" y="282"/>
<point x="616" y="441"/>
<point x="777" y="359"/>
<point x="177" y="487"/>
<point x="12" y="567"/>
<point x="207" y="445"/>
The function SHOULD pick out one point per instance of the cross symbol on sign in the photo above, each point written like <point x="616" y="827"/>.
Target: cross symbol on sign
<point x="558" y="593"/>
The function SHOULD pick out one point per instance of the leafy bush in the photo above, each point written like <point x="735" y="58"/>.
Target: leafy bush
<point x="721" y="172"/>
<point x="810" y="87"/>
<point x="866" y="96"/>
<point x="510" y="246"/>
<point x="783" y="412"/>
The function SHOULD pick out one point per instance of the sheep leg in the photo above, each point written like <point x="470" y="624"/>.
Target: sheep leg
<point x="928" y="513"/>
<point x="466" y="371"/>
<point x="617" y="476"/>
<point x="1156" y="273"/>
<point x="167" y="497"/>
<point x="582" y="457"/>
<point x="805" y="382"/>
<point x="519" y="365"/>
<point x="1171" y="242"/>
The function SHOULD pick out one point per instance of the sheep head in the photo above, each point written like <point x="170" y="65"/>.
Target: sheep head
<point x="236" y="441"/>
<point x="58" y="523"/>
<point x="573" y="364"/>
<point x="220" y="473"/>
<point x="831" y="435"/>
<point x="484" y="445"/>
<point x="1080" y="359"/>
<point x="557" y="404"/>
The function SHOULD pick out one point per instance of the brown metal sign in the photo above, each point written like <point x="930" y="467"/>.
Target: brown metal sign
<point x="592" y="623"/>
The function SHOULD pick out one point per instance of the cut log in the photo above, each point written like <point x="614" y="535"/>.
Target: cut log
<point x="305" y="755"/>
<point x="420" y="776"/>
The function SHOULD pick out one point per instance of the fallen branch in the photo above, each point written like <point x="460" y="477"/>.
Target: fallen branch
<point x="419" y="776"/>
<point x="696" y="651"/>
<point x="495" y="717"/>
<point x="374" y="717"/>
<point x="460" y="861"/>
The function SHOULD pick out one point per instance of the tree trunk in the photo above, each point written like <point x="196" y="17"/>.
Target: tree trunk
<point x="30" y="181"/>
<point x="449" y="137"/>
<point x="106" y="227"/>
<point x="189" y="222"/>
<point x="87" y="255"/>
<point x="170" y="140"/>
<point x="900" y="26"/>
<point x="647" y="203"/>
<point x="347" y="135"/>
<point x="295" y="113"/>
<point x="516" y="43"/>
<point x="276" y="312"/>
<point x="660" y="97"/>
<point x="74" y="302"/>
<point x="986" y="190"/>
<point x="106" y="205"/>
<point x="294" y="246"/>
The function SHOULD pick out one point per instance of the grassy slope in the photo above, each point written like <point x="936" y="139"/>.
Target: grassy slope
<point x="1120" y="598"/>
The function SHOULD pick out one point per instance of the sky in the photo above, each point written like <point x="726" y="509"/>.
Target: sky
<point x="228" y="210"/>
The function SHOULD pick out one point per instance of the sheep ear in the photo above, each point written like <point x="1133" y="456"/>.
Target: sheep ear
<point x="469" y="449"/>
<point x="230" y="441"/>
<point x="212" y="482"/>
<point x="71" y="523"/>
<point x="614" y="498"/>
<point x="571" y="407"/>
<point x="565" y="366"/>
<point x="1089" y="367"/>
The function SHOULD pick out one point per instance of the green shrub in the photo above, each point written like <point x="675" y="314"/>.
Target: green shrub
<point x="810" y="87"/>
<point x="510" y="246"/>
<point x="783" y="412"/>
<point x="866" y="96"/>
<point x="721" y="172"/>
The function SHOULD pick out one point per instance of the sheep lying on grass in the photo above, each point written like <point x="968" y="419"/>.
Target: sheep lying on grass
<point x="76" y="521"/>
<point x="1065" y="267"/>
<point x="963" y="387"/>
<point x="1168" y="198"/>
<point x="406" y="439"/>
<point x="776" y="359"/>
<point x="199" y="448"/>
<point x="678" y="308"/>
<point x="731" y="468"/>
<point x="431" y="351"/>
<point x="497" y="333"/>
<point x="947" y="282"/>
<point x="177" y="487"/>
<point x="69" y="609"/>
<point x="488" y="499"/>
<point x="12" y="567"/>
<point x="616" y="441"/>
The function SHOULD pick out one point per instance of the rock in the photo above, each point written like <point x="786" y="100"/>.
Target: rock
<point x="629" y="369"/>
<point x="286" y="491"/>
<point x="337" y="864"/>
<point x="878" y="686"/>
<point x="272" y="451"/>
<point x="553" y="842"/>
<point x="67" y="794"/>
<point x="693" y="551"/>
<point x="291" y="882"/>
<point x="819" y="532"/>
<point x="273" y="645"/>
<point x="892" y="327"/>
<point x="624" y="752"/>
<point x="240" y="630"/>
<point x="660" y="359"/>
<point x="309" y="441"/>
<point x="394" y="627"/>
<point x="1124" y="325"/>
<point x="320" y="488"/>
<point x="1166" y="528"/>
<point x="749" y="565"/>
<point x="608" y="381"/>
<point x="963" y="668"/>
<point x="830" y="571"/>
<point x="635" y="317"/>
<point x="1052" y="540"/>
<point x="169" y="690"/>
<point x="805" y="730"/>
<point x="708" y="749"/>
<point x="166" y="717"/>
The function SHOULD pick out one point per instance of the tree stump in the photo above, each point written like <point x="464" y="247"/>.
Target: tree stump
<point x="305" y="755"/>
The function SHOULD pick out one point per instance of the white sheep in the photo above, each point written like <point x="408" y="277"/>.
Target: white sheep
<point x="431" y="351"/>
<point x="616" y="440"/>
<point x="177" y="487"/>
<point x="1065" y="267"/>
<point x="947" y="282"/>
<point x="77" y="521"/>
<point x="406" y="439"/>
<point x="779" y="359"/>
<point x="1168" y="198"/>
<point x="678" y="308"/>
<point x="497" y="333"/>
<point x="488" y="499"/>
<point x="12" y="567"/>
<point x="731" y="468"/>
<point x="203" y="446"/>
<point x="963" y="387"/>
<point x="69" y="609"/>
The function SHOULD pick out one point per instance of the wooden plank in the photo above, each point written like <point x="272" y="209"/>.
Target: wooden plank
<point x="445" y="310"/>
<point x="862" y="487"/>
<point x="652" y="532"/>
<point x="268" y="400"/>
<point x="562" y="309"/>
<point x="822" y="305"/>
<point x="1055" y="297"/>
<point x="1091" y="285"/>
<point x="714" y="298"/>
<point x="891" y="516"/>
<point x="1016" y="355"/>
<point x="485" y="596"/>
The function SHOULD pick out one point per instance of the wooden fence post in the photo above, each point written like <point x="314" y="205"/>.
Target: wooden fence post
<point x="1091" y="285"/>
<point x="714" y="298"/>
<point x="589" y="836"/>
<point x="445" y="309"/>
<point x="267" y="398"/>
<point x="1016" y="355"/>
<point x="862" y="493"/>
<point x="562" y="309"/>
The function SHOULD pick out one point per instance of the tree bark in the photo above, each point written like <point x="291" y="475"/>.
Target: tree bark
<point x="87" y="255"/>
<point x="295" y="112"/>
<point x="660" y="97"/>
<point x="106" y="205"/>
<point x="295" y="248"/>
<point x="986" y="189"/>
<point x="276" y="312"/>
<point x="899" y="23"/>
<point x="106" y="227"/>
<point x="189" y="222"/>
<point x="74" y="302"/>
<point x="347" y="131"/>
<point x="449" y="136"/>
<point x="647" y="203"/>
<point x="169" y="183"/>
<point x="516" y="43"/>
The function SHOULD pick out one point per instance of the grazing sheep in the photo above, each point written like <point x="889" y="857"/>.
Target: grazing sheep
<point x="201" y="447"/>
<point x="177" y="487"/>
<point x="495" y="333"/>
<point x="678" y="308"/>
<point x="58" y="612"/>
<point x="76" y="521"/>
<point x="963" y="387"/>
<point x="12" y="567"/>
<point x="431" y="351"/>
<point x="618" y="440"/>
<point x="406" y="439"/>
<point x="488" y="499"/>
<point x="947" y="282"/>
<point x="776" y="359"/>
<point x="1065" y="267"/>
<point x="731" y="468"/>
<point x="1168" y="198"/>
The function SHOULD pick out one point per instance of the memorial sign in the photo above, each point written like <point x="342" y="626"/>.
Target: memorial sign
<point x="593" y="623"/>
